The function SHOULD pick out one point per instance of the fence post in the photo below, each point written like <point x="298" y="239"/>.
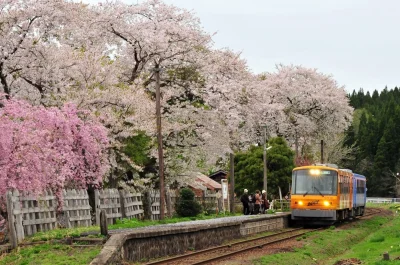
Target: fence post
<point x="122" y="203"/>
<point x="18" y="216"/>
<point x="11" y="220"/>
<point x="169" y="206"/>
<point x="97" y="206"/>
<point x="203" y="199"/>
<point x="103" y="223"/>
<point x="64" y="215"/>
<point x="386" y="256"/>
<point x="218" y="202"/>
<point x="147" y="205"/>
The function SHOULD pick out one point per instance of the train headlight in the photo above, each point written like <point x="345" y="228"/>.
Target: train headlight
<point x="326" y="203"/>
<point x="300" y="203"/>
<point x="315" y="172"/>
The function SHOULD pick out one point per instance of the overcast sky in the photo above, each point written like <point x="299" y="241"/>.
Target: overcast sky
<point x="356" y="41"/>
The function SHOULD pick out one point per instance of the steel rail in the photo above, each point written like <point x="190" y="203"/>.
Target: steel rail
<point x="229" y="246"/>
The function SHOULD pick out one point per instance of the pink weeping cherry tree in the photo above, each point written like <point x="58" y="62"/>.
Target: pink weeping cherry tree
<point x="49" y="148"/>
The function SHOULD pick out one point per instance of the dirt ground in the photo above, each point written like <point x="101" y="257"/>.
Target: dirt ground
<point x="352" y="261"/>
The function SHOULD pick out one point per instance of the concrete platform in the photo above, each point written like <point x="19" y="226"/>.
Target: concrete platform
<point x="140" y="244"/>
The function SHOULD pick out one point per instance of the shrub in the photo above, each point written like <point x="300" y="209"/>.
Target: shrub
<point x="209" y="208"/>
<point x="186" y="194"/>
<point x="238" y="208"/>
<point x="377" y="238"/>
<point x="187" y="206"/>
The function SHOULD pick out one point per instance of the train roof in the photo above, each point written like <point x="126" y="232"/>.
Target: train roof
<point x="318" y="166"/>
<point x="359" y="176"/>
<point x="325" y="166"/>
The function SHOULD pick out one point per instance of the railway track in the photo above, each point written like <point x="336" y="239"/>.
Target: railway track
<point x="209" y="255"/>
<point x="368" y="213"/>
<point x="372" y="211"/>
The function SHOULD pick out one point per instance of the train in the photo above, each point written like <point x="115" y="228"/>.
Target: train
<point x="323" y="194"/>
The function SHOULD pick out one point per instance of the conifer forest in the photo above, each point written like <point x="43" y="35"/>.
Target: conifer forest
<point x="375" y="141"/>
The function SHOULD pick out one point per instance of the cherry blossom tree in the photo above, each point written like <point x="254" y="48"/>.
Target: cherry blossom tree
<point x="210" y="112"/>
<point x="310" y="104"/>
<point x="53" y="148"/>
<point x="150" y="34"/>
<point x="154" y="35"/>
<point x="230" y="92"/>
<point x="32" y="59"/>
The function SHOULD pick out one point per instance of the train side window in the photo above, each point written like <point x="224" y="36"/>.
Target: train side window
<point x="344" y="184"/>
<point x="360" y="186"/>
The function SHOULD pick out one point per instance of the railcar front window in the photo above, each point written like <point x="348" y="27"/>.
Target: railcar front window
<point x="314" y="181"/>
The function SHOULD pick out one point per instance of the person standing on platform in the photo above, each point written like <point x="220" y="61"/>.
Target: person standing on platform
<point x="263" y="200"/>
<point x="251" y="203"/>
<point x="245" y="201"/>
<point x="266" y="202"/>
<point x="257" y="202"/>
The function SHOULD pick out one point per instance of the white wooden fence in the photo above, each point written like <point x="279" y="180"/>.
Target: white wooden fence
<point x="280" y="205"/>
<point x="132" y="205"/>
<point x="382" y="200"/>
<point x="76" y="208"/>
<point x="118" y="204"/>
<point x="108" y="200"/>
<point x="29" y="214"/>
<point x="170" y="195"/>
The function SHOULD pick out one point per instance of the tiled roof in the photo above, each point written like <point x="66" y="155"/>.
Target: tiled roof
<point x="219" y="172"/>
<point x="197" y="185"/>
<point x="209" y="182"/>
<point x="203" y="180"/>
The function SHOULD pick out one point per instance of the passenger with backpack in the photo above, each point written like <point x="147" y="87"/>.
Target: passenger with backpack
<point x="265" y="201"/>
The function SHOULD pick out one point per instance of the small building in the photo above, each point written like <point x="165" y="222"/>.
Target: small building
<point x="200" y="183"/>
<point x="197" y="188"/>
<point x="218" y="175"/>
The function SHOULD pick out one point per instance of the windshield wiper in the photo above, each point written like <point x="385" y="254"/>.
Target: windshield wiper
<point x="318" y="191"/>
<point x="304" y="195"/>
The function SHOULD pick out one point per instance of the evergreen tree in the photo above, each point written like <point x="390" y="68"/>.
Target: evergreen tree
<point x="375" y="129"/>
<point x="187" y="205"/>
<point x="138" y="148"/>
<point x="380" y="182"/>
<point x="249" y="167"/>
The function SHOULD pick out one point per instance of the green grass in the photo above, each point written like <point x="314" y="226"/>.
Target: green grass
<point x="135" y="223"/>
<point x="50" y="254"/>
<point x="62" y="233"/>
<point x="366" y="241"/>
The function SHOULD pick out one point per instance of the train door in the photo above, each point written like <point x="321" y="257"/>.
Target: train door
<point x="345" y="192"/>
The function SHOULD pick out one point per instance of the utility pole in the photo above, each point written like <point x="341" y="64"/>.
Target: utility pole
<point x="397" y="176"/>
<point x="322" y="151"/>
<point x="265" y="160"/>
<point x="160" y="141"/>
<point x="232" y="183"/>
<point x="397" y="187"/>
<point x="296" y="144"/>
